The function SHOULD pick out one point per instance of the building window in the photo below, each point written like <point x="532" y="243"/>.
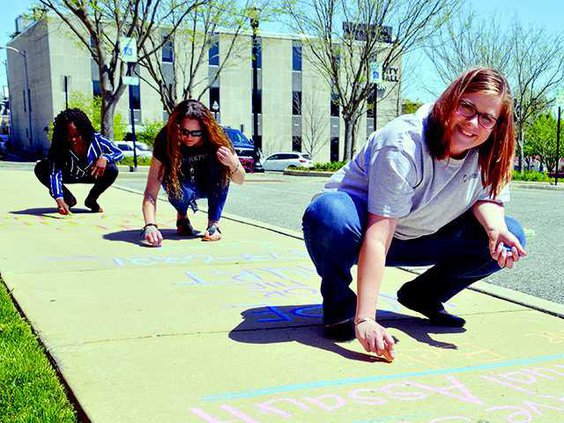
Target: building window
<point x="96" y="89"/>
<point x="297" y="56"/>
<point x="297" y="144"/>
<point x="257" y="108"/>
<point x="297" y="103"/>
<point x="334" y="104"/>
<point x="135" y="97"/>
<point x="334" y="149"/>
<point x="168" y="51"/>
<point x="213" y="54"/>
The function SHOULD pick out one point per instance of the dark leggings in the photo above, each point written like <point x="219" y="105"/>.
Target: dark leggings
<point x="42" y="171"/>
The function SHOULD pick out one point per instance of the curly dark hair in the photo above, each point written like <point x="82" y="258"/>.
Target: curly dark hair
<point x="60" y="144"/>
<point x="213" y="135"/>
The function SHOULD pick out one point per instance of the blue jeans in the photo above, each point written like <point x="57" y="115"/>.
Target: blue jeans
<point x="334" y="225"/>
<point x="190" y="193"/>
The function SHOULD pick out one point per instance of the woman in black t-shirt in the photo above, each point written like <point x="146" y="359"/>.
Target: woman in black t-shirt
<point x="192" y="158"/>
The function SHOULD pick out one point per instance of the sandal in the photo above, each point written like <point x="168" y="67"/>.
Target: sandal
<point x="213" y="233"/>
<point x="184" y="227"/>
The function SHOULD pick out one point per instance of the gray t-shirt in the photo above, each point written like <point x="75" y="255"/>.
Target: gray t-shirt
<point x="396" y="175"/>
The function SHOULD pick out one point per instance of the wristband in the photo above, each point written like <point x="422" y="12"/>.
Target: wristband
<point x="236" y="168"/>
<point x="364" y="319"/>
<point x="150" y="224"/>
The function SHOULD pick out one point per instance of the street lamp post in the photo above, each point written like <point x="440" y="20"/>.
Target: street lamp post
<point x="22" y="53"/>
<point x="254" y="18"/>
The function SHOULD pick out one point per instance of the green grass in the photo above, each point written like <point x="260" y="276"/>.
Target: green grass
<point x="29" y="388"/>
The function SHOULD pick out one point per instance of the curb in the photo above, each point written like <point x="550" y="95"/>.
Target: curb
<point x="324" y="174"/>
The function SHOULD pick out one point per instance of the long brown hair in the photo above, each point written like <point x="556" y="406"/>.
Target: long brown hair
<point x="496" y="154"/>
<point x="213" y="137"/>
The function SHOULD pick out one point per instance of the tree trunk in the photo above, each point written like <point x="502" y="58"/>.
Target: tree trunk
<point x="521" y="148"/>
<point x="348" y="139"/>
<point x="107" y="118"/>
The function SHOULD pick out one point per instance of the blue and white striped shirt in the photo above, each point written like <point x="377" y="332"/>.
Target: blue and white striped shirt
<point x="77" y="169"/>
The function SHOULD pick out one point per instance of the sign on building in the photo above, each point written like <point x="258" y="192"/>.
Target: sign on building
<point x="128" y="49"/>
<point x="375" y="71"/>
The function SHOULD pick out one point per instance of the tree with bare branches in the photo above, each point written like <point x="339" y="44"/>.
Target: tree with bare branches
<point x="191" y="42"/>
<point x="100" y="25"/>
<point x="531" y="58"/>
<point x="315" y="123"/>
<point x="344" y="36"/>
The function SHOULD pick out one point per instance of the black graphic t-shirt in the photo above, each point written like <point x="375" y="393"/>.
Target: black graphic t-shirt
<point x="195" y="161"/>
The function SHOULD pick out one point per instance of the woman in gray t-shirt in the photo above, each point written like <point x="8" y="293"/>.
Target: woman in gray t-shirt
<point x="428" y="189"/>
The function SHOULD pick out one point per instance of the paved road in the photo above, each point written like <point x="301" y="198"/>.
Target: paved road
<point x="277" y="199"/>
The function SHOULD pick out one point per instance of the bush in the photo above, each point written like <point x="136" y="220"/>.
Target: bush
<point x="530" y="176"/>
<point x="141" y="161"/>
<point x="329" y="167"/>
<point x="150" y="132"/>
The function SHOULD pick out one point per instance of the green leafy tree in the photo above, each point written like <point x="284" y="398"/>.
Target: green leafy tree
<point x="150" y="132"/>
<point x="541" y="139"/>
<point x="92" y="107"/>
<point x="410" y="106"/>
<point x="530" y="57"/>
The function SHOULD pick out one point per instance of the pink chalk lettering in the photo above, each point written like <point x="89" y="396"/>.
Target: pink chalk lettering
<point x="267" y="408"/>
<point x="519" y="415"/>
<point x="335" y="402"/>
<point x="401" y="394"/>
<point x="535" y="407"/>
<point x="540" y="372"/>
<point x="241" y="417"/>
<point x="457" y="390"/>
<point x="519" y="377"/>
<point x="509" y="385"/>
<point x="373" y="397"/>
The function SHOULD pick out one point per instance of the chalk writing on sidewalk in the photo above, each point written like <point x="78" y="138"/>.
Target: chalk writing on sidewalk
<point x="268" y="282"/>
<point x="147" y="261"/>
<point x="475" y="394"/>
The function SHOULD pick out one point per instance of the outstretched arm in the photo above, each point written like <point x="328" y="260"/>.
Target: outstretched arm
<point x="151" y="233"/>
<point x="371" y="263"/>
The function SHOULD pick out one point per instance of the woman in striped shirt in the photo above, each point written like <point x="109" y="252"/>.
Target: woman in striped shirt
<point x="78" y="154"/>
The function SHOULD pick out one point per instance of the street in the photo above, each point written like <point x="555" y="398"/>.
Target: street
<point x="280" y="200"/>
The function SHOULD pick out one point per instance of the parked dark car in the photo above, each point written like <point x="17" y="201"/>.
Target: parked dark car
<point x="245" y="149"/>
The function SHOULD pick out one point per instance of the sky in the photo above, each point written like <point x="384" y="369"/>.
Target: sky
<point x="548" y="14"/>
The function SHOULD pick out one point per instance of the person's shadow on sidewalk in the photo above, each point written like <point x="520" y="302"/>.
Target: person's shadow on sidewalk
<point x="303" y="324"/>
<point x="133" y="236"/>
<point x="50" y="212"/>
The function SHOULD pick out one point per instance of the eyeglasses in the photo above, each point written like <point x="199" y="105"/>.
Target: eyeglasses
<point x="468" y="110"/>
<point x="186" y="132"/>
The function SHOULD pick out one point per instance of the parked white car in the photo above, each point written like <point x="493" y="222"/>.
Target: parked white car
<point x="281" y="161"/>
<point x="143" y="149"/>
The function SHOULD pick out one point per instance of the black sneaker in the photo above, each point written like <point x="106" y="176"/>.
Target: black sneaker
<point x="184" y="227"/>
<point x="340" y="331"/>
<point x="93" y="205"/>
<point x="435" y="313"/>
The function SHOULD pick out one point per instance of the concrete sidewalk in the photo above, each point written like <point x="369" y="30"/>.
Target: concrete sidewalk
<point x="230" y="331"/>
